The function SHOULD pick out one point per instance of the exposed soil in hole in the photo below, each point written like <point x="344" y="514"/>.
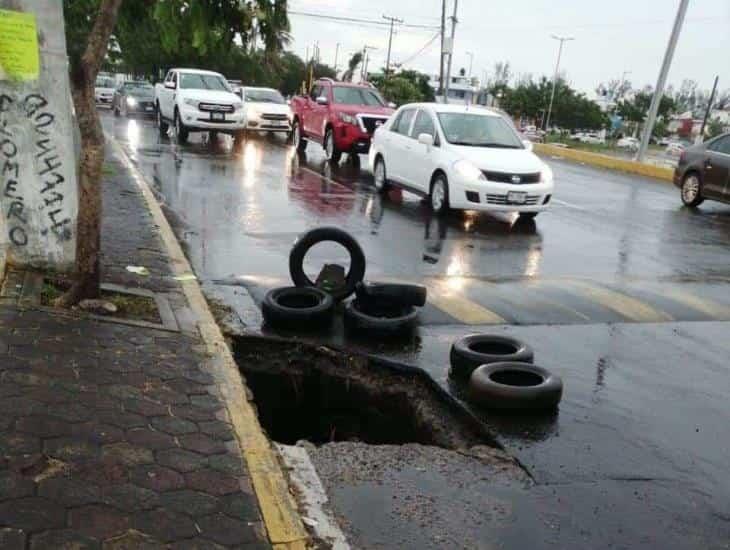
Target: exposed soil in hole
<point x="516" y="378"/>
<point x="493" y="348"/>
<point x="129" y="306"/>
<point x="317" y="394"/>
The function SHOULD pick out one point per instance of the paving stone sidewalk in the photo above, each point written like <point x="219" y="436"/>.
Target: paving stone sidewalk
<point x="113" y="436"/>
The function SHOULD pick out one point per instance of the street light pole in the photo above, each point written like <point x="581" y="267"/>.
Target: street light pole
<point x="454" y="20"/>
<point x="471" y="62"/>
<point x="337" y="53"/>
<point x="562" y="40"/>
<point x="662" y="80"/>
<point x="393" y="21"/>
<point x="443" y="36"/>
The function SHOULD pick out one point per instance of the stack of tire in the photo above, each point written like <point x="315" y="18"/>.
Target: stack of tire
<point x="380" y="307"/>
<point x="501" y="375"/>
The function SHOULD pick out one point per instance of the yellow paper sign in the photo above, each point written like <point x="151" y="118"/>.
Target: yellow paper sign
<point x="18" y="46"/>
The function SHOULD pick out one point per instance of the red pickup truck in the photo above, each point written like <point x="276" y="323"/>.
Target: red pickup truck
<point x="340" y="116"/>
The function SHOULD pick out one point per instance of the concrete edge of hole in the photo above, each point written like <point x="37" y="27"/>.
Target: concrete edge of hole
<point x="312" y="496"/>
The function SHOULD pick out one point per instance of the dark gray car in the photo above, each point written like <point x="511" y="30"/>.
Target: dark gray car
<point x="703" y="172"/>
<point x="134" y="97"/>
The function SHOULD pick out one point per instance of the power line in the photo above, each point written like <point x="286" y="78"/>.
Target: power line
<point x="357" y="20"/>
<point x="419" y="52"/>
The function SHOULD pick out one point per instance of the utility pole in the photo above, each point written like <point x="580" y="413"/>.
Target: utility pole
<point x="707" y="111"/>
<point x="454" y="20"/>
<point x="662" y="80"/>
<point x="562" y="40"/>
<point x="365" y="58"/>
<point x="471" y="62"/>
<point x="393" y="21"/>
<point x="443" y="36"/>
<point x="337" y="53"/>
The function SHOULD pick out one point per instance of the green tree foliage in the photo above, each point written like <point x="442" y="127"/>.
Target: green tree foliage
<point x="404" y="87"/>
<point x="636" y="108"/>
<point x="714" y="128"/>
<point x="355" y="60"/>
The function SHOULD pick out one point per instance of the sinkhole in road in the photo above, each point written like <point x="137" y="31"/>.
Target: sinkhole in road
<point x="313" y="393"/>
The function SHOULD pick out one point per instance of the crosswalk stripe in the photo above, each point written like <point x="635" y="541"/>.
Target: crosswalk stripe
<point x="719" y="312"/>
<point x="624" y="305"/>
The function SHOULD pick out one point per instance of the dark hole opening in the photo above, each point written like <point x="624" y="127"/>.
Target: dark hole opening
<point x="493" y="348"/>
<point x="382" y="309"/>
<point x="517" y="378"/>
<point x="298" y="301"/>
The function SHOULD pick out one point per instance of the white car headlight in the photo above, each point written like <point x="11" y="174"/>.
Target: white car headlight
<point x="191" y="102"/>
<point x="468" y="171"/>
<point x="131" y="102"/>
<point x="348" y="119"/>
<point x="546" y="174"/>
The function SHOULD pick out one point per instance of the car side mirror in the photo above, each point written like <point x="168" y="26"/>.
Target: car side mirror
<point x="528" y="144"/>
<point x="321" y="100"/>
<point x="392" y="105"/>
<point x="170" y="85"/>
<point x="425" y="139"/>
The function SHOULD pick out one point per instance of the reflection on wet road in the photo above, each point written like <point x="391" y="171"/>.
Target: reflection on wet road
<point x="618" y="288"/>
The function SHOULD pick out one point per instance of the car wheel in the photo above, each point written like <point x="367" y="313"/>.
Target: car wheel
<point x="322" y="234"/>
<point x="381" y="177"/>
<point x="297" y="138"/>
<point x="330" y="147"/>
<point x="298" y="307"/>
<point x="515" y="386"/>
<point x="692" y="190"/>
<point x="180" y="131"/>
<point x="439" y="196"/>
<point x="475" y="350"/>
<point x="161" y="124"/>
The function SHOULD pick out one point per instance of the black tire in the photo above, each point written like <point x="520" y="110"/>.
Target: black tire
<point x="692" y="198"/>
<point x="380" y="176"/>
<point x="515" y="386"/>
<point x="386" y="321"/>
<point x="475" y="350"/>
<point x="528" y="215"/>
<point x="391" y="294"/>
<point x="442" y="207"/>
<point x="162" y="126"/>
<point x="321" y="234"/>
<point x="298" y="140"/>
<point x="331" y="151"/>
<point x="181" y="133"/>
<point x="297" y="307"/>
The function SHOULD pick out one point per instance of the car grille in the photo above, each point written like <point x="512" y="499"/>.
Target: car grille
<point x="530" y="200"/>
<point x="146" y="104"/>
<point x="272" y="116"/>
<point x="371" y="123"/>
<point x="216" y="107"/>
<point x="507" y="177"/>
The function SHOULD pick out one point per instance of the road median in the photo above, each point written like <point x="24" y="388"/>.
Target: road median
<point x="605" y="161"/>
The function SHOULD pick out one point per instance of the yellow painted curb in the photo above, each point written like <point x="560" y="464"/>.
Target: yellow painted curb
<point x="278" y="509"/>
<point x="605" y="161"/>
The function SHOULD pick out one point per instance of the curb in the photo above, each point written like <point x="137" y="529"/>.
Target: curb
<point x="278" y="509"/>
<point x="605" y="161"/>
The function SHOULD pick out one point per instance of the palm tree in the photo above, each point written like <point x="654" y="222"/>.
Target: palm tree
<point x="272" y="24"/>
<point x="355" y="60"/>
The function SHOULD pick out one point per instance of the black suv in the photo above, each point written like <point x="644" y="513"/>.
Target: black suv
<point x="703" y="172"/>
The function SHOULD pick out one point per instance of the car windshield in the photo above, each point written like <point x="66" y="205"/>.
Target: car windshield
<point x="104" y="82"/>
<point x="264" y="96"/>
<point x="138" y="88"/>
<point x="357" y="96"/>
<point x="477" y="130"/>
<point x="198" y="81"/>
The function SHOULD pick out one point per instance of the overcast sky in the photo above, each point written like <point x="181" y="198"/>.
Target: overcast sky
<point x="611" y="36"/>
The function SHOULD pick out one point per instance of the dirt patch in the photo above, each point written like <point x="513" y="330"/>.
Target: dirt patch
<point x="304" y="392"/>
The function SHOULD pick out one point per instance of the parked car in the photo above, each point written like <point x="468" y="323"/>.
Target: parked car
<point x="628" y="143"/>
<point x="577" y="136"/>
<point x="339" y="115"/>
<point x="462" y="158"/>
<point x="595" y="139"/>
<point x="675" y="149"/>
<point x="703" y="172"/>
<point x="104" y="91"/>
<point x="266" y="109"/>
<point x="663" y="142"/>
<point x="198" y="101"/>
<point x="134" y="97"/>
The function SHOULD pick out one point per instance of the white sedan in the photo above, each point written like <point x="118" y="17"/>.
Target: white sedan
<point x="266" y="109"/>
<point x="462" y="157"/>
<point x="628" y="143"/>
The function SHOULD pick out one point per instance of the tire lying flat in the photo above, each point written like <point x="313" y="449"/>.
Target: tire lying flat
<point x="390" y="293"/>
<point x="363" y="317"/>
<point x="515" y="386"/>
<point x="302" y="308"/>
<point x="475" y="350"/>
<point x="322" y="234"/>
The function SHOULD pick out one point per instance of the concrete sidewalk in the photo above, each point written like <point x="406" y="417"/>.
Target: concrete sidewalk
<point x="120" y="436"/>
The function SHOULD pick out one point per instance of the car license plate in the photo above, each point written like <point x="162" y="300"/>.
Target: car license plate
<point x="516" y="197"/>
<point x="149" y="108"/>
<point x="217" y="116"/>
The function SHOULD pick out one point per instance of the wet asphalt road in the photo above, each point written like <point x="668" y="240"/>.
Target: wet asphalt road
<point x="619" y="289"/>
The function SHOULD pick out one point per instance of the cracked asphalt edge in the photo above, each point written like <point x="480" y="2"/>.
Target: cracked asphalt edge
<point x="278" y="509"/>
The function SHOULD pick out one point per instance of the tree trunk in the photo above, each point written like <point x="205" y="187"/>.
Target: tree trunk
<point x="88" y="228"/>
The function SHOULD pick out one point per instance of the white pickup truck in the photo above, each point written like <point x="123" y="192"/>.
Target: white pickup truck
<point x="198" y="101"/>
